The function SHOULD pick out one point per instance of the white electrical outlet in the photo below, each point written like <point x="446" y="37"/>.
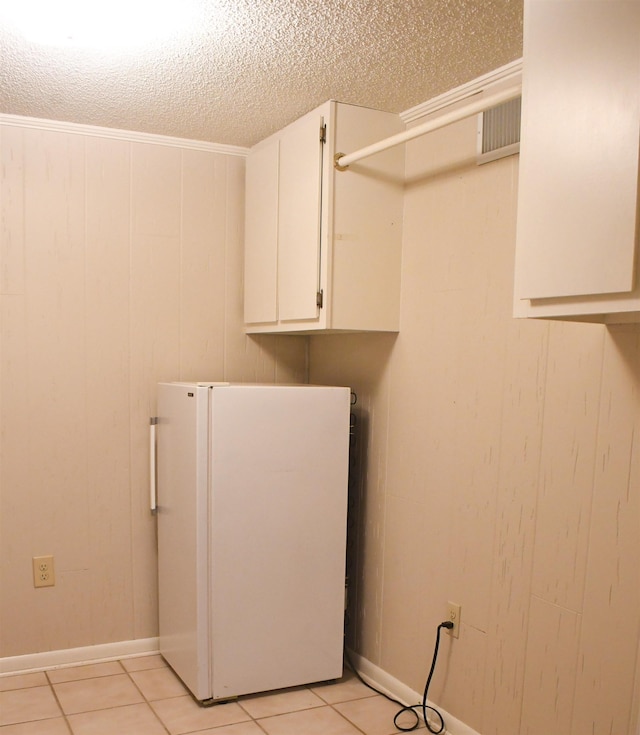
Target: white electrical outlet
<point x="43" y="574"/>
<point x="453" y="615"/>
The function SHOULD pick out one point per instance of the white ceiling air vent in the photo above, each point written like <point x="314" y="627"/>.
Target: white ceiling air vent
<point x="499" y="131"/>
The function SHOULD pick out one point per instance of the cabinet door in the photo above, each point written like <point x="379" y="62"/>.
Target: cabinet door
<point x="300" y="190"/>
<point x="261" y="234"/>
<point x="579" y="152"/>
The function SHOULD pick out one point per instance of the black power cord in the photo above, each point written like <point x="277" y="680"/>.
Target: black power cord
<point x="412" y="707"/>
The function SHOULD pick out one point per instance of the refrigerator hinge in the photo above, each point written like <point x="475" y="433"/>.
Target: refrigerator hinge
<point x="319" y="299"/>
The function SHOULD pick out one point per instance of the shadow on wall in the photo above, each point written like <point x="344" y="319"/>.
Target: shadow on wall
<point x="438" y="172"/>
<point x="360" y="361"/>
<point x="283" y="356"/>
<point x="626" y="340"/>
<point x="358" y="451"/>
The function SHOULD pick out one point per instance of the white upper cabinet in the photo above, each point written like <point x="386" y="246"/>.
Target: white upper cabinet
<point x="578" y="183"/>
<point x="261" y="234"/>
<point x="322" y="246"/>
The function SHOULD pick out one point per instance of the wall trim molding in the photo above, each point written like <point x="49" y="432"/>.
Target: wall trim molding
<point x="508" y="75"/>
<point x="77" y="656"/>
<point x="130" y="136"/>
<point x="388" y="684"/>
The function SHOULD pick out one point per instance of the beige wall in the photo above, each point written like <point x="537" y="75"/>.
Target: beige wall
<point x="120" y="265"/>
<point x="500" y="470"/>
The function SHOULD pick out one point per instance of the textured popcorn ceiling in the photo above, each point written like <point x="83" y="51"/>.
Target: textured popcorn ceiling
<point x="249" y="67"/>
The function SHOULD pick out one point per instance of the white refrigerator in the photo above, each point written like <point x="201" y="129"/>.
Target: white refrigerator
<point x="251" y="510"/>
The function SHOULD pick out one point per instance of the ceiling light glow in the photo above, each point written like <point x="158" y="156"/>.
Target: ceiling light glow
<point x="109" y="24"/>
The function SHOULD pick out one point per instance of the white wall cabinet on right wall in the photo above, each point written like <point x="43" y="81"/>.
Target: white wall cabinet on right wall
<point x="576" y="254"/>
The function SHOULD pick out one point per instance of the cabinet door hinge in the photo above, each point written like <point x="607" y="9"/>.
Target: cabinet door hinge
<point x="319" y="299"/>
<point x="323" y="133"/>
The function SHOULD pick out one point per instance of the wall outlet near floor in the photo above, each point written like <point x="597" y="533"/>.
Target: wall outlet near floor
<point x="43" y="575"/>
<point x="453" y="614"/>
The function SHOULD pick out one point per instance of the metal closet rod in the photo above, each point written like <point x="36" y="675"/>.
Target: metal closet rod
<point x="341" y="160"/>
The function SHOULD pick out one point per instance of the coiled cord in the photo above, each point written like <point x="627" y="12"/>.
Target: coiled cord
<point x="413" y="707"/>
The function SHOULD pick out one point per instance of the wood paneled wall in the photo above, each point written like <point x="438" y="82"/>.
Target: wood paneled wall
<point x="499" y="469"/>
<point x="120" y="266"/>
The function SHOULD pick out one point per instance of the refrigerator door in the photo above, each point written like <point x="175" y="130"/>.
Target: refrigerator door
<point x="183" y="512"/>
<point x="279" y="464"/>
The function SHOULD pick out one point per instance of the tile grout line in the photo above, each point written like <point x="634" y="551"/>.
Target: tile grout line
<point x="142" y="694"/>
<point x="51" y="684"/>
<point x="255" y="720"/>
<point x="58" y="702"/>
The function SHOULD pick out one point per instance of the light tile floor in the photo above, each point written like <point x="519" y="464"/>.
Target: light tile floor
<point x="142" y="696"/>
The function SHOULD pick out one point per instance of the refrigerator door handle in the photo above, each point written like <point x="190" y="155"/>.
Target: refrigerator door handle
<point x="153" y="496"/>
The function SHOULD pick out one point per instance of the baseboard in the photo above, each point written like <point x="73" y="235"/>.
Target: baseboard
<point x="388" y="684"/>
<point x="77" y="656"/>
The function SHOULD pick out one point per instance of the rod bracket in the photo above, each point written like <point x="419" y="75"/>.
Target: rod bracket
<point x="336" y="162"/>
